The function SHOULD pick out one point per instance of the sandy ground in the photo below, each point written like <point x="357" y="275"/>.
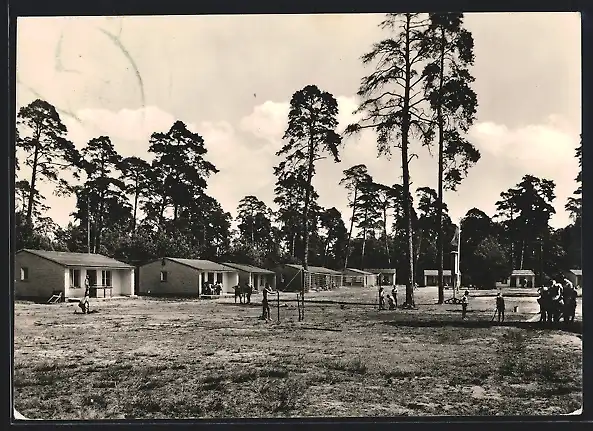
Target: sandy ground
<point x="165" y="358"/>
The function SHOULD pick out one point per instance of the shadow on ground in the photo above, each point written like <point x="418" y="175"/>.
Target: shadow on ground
<point x="574" y="327"/>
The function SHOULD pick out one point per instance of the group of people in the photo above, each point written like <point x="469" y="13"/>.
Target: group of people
<point x="243" y="292"/>
<point x="209" y="288"/>
<point x="559" y="300"/>
<point x="391" y="299"/>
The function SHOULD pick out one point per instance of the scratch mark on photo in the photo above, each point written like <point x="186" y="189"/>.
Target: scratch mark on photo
<point x="59" y="66"/>
<point x="118" y="43"/>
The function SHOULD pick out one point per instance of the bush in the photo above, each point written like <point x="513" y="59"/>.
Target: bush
<point x="354" y="366"/>
<point x="282" y="395"/>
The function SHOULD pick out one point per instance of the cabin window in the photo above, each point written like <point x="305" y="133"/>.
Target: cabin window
<point x="219" y="278"/>
<point x="24" y="273"/>
<point x="75" y="278"/>
<point x="164" y="276"/>
<point x="106" y="278"/>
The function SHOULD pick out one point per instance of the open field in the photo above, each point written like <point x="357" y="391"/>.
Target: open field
<point x="157" y="358"/>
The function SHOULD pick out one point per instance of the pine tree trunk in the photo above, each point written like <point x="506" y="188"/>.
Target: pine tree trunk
<point x="522" y="254"/>
<point x="364" y="243"/>
<point x="406" y="168"/>
<point x="326" y="249"/>
<point x="99" y="225"/>
<point x="30" y="203"/>
<point x="385" y="235"/>
<point x="441" y="126"/>
<point x="135" y="210"/>
<point x="419" y="247"/>
<point x="351" y="226"/>
<point x="306" y="214"/>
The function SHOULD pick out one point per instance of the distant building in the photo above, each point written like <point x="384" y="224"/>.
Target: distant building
<point x="358" y="277"/>
<point x="431" y="277"/>
<point x="518" y="278"/>
<point x="171" y="276"/>
<point x="385" y="276"/>
<point x="289" y="277"/>
<point x="41" y="274"/>
<point x="256" y="277"/>
<point x="575" y="276"/>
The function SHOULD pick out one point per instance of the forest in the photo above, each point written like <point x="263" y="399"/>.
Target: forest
<point x="417" y="93"/>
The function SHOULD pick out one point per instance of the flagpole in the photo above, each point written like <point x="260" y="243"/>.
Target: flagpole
<point x="459" y="257"/>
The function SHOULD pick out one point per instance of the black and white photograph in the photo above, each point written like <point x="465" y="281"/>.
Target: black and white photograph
<point x="354" y="215"/>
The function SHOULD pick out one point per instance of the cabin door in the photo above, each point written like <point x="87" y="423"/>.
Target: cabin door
<point x="92" y="273"/>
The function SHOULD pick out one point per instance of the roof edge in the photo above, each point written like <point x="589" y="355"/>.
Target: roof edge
<point x="175" y="259"/>
<point x="128" y="266"/>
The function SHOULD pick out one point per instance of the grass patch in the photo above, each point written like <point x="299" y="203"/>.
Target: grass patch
<point x="283" y="395"/>
<point x="354" y="365"/>
<point x="428" y="364"/>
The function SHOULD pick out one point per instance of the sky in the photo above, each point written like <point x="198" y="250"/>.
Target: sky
<point x="230" y="79"/>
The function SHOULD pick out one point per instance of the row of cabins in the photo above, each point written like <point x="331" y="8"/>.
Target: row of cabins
<point x="40" y="274"/>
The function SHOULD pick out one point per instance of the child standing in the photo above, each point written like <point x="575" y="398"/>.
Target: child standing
<point x="381" y="298"/>
<point x="265" y="304"/>
<point x="500" y="307"/>
<point x="464" y="303"/>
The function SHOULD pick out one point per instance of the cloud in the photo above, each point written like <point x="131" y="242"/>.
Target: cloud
<point x="268" y="120"/>
<point x="129" y="129"/>
<point x="245" y="169"/>
<point x="544" y="150"/>
<point x="245" y="156"/>
<point x="536" y="147"/>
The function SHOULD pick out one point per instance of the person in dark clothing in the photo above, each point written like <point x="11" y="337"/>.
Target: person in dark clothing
<point x="238" y="293"/>
<point x="391" y="302"/>
<point x="541" y="300"/>
<point x="500" y="306"/>
<point x="265" y="304"/>
<point x="248" y="291"/>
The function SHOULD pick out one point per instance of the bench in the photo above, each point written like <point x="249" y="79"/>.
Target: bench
<point x="55" y="298"/>
<point x="104" y="291"/>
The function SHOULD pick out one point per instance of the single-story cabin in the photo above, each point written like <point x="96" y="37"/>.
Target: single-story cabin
<point x="575" y="276"/>
<point x="518" y="278"/>
<point x="256" y="277"/>
<point x="358" y="277"/>
<point x="431" y="277"/>
<point x="172" y="276"/>
<point x="289" y="277"/>
<point x="385" y="276"/>
<point x="41" y="274"/>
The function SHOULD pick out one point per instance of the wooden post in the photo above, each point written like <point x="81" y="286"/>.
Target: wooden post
<point x="278" y="296"/>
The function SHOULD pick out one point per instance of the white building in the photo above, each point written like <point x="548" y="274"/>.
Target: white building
<point x="41" y="273"/>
